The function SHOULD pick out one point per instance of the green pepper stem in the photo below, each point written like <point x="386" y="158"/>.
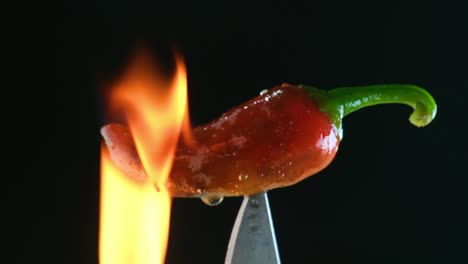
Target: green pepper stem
<point x="340" y="102"/>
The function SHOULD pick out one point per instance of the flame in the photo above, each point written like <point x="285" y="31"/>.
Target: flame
<point x="134" y="224"/>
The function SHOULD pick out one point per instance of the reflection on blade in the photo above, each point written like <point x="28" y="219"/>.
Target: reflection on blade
<point x="253" y="236"/>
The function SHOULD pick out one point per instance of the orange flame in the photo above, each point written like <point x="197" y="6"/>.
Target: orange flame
<point x="134" y="224"/>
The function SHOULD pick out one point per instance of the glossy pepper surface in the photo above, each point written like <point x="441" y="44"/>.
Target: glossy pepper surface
<point x="274" y="140"/>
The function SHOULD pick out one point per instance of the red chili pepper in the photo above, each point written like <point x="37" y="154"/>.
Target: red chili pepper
<point x="274" y="140"/>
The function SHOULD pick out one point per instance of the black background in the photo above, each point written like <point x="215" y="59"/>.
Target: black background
<point x="394" y="194"/>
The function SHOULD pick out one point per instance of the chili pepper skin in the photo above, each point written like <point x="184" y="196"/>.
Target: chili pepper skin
<point x="274" y="140"/>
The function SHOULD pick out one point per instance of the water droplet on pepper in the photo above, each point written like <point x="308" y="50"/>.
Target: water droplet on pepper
<point x="212" y="200"/>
